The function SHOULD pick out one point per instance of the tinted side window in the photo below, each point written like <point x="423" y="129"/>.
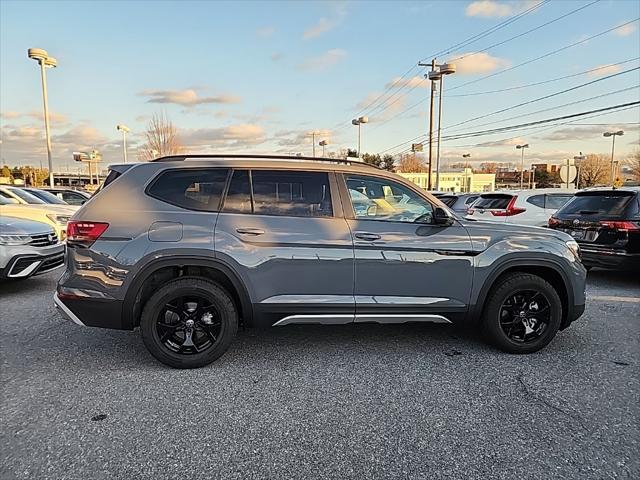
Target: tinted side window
<point x="381" y="199"/>
<point x="537" y="200"/>
<point x="238" y="199"/>
<point x="289" y="193"/>
<point x="555" y="201"/>
<point x="192" y="189"/>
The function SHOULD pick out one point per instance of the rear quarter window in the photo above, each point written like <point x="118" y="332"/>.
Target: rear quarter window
<point x="556" y="201"/>
<point x="537" y="200"/>
<point x="193" y="189"/>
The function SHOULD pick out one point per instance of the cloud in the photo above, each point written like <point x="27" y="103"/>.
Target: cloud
<point x="589" y="132"/>
<point x="326" y="24"/>
<point x="603" y="70"/>
<point x="265" y="32"/>
<point x="625" y="30"/>
<point x="494" y="9"/>
<point x="488" y="9"/>
<point x="277" y="56"/>
<point x="416" y="81"/>
<point x="298" y="138"/>
<point x="10" y="115"/>
<point x="509" y="142"/>
<point x="324" y="61"/>
<point x="230" y="136"/>
<point x="481" y="62"/>
<point x="187" y="98"/>
<point x="54" y="118"/>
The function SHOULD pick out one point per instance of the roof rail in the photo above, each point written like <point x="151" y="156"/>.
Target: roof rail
<point x="182" y="158"/>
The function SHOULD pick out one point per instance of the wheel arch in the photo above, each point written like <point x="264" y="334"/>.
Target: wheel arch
<point x="547" y="269"/>
<point x="161" y="270"/>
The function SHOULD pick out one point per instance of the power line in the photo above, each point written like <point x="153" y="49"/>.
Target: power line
<point x="527" y="32"/>
<point x="525" y="103"/>
<point x="543" y="97"/>
<point x="538" y="122"/>
<point x="545" y="55"/>
<point x="619" y="107"/>
<point x="508" y="89"/>
<point x="555" y="107"/>
<point x="445" y="51"/>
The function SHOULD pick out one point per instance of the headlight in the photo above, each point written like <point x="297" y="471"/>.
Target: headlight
<point x="59" y="219"/>
<point x="14" y="239"/>
<point x="574" y="247"/>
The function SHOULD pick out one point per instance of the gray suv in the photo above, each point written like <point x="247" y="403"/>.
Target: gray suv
<point x="189" y="247"/>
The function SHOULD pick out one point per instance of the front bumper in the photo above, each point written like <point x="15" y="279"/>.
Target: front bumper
<point x="611" y="259"/>
<point x="24" y="262"/>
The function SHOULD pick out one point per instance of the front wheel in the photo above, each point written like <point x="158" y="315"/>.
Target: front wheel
<point x="522" y="313"/>
<point x="189" y="322"/>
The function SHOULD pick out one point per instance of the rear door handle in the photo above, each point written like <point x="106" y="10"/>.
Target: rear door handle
<point x="369" y="237"/>
<point x="250" y="231"/>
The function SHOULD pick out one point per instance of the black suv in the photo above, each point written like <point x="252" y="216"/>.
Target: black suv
<point x="606" y="225"/>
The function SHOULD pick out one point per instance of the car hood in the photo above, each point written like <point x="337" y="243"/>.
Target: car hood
<point x="484" y="234"/>
<point x="18" y="226"/>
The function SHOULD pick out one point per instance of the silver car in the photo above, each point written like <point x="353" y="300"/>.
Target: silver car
<point x="28" y="248"/>
<point x="190" y="247"/>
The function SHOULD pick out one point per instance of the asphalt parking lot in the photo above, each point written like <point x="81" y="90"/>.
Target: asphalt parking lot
<point x="366" y="401"/>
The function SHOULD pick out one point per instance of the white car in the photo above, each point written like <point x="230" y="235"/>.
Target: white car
<point x="524" y="207"/>
<point x="55" y="215"/>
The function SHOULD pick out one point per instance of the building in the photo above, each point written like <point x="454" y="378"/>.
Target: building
<point x="511" y="180"/>
<point x="546" y="167"/>
<point x="459" y="181"/>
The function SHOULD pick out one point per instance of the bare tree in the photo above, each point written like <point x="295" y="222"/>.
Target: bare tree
<point x="162" y="139"/>
<point x="595" y="169"/>
<point x="411" y="163"/>
<point x="633" y="161"/>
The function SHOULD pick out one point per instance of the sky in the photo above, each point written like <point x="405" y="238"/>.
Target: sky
<point x="258" y="77"/>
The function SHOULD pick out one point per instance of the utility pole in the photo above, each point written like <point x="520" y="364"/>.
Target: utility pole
<point x="433" y="89"/>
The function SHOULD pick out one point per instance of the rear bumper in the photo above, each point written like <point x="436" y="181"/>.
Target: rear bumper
<point x="89" y="308"/>
<point x="612" y="259"/>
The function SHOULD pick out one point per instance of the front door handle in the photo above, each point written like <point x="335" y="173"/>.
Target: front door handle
<point x="369" y="237"/>
<point x="250" y="231"/>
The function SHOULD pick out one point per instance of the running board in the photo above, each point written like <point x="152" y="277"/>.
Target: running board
<point x="329" y="319"/>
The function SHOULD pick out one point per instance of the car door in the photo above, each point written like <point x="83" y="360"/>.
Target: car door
<point x="284" y="234"/>
<point x="408" y="268"/>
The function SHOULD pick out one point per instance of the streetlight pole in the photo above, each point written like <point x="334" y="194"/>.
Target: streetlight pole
<point x="619" y="133"/>
<point x="522" y="147"/>
<point x="532" y="181"/>
<point x="466" y="155"/>
<point x="358" y="122"/>
<point x="124" y="129"/>
<point x="323" y="143"/>
<point x="578" y="161"/>
<point x="45" y="61"/>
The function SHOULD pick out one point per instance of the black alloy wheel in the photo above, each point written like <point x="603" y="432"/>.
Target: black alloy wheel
<point x="189" y="322"/>
<point x="525" y="315"/>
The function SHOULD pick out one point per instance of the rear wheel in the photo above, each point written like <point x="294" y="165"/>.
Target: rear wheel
<point x="189" y="323"/>
<point x="522" y="314"/>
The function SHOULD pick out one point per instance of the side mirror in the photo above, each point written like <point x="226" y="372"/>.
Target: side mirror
<point x="441" y="217"/>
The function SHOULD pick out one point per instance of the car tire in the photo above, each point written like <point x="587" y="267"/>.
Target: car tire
<point x="508" y="287"/>
<point x="189" y="287"/>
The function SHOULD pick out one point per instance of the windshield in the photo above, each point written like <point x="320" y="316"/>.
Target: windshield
<point x="26" y="196"/>
<point x="46" y="196"/>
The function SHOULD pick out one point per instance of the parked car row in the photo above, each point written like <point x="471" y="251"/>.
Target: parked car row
<point x="604" y="221"/>
<point x="33" y="227"/>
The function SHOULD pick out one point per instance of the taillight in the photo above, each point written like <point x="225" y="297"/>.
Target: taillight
<point x="510" y="210"/>
<point x="554" y="221"/>
<point x="624" y="226"/>
<point x="84" y="233"/>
